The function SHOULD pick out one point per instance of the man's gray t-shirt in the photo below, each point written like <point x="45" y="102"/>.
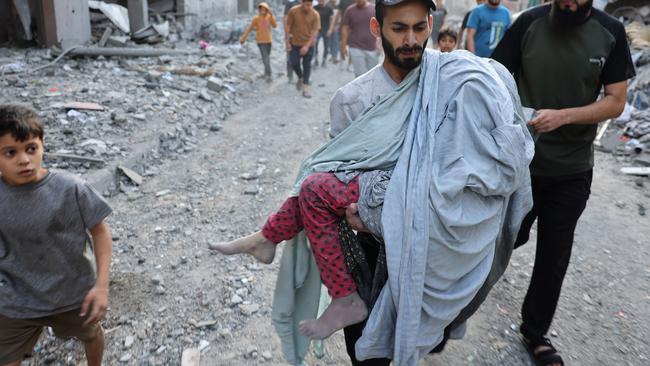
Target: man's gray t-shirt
<point x="46" y="266"/>
<point x="358" y="95"/>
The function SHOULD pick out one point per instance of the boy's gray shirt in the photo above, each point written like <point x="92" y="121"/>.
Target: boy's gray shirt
<point x="46" y="266"/>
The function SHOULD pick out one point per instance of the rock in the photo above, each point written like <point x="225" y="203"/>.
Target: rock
<point x="160" y="290"/>
<point x="236" y="300"/>
<point x="252" y="190"/>
<point x="157" y="280"/>
<point x="203" y="94"/>
<point x="191" y="357"/>
<point x="118" y="118"/>
<point x="267" y="355"/>
<point x="161" y="349"/>
<point x="215" y="84"/>
<point x="215" y="127"/>
<point x="251" y="351"/>
<point x="242" y="292"/>
<point x="126" y="357"/>
<point x="249" y="309"/>
<point x="128" y="341"/>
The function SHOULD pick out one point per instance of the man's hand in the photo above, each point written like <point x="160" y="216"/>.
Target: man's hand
<point x="304" y="49"/>
<point x="548" y="120"/>
<point x="288" y="45"/>
<point x="353" y="219"/>
<point x="97" y="300"/>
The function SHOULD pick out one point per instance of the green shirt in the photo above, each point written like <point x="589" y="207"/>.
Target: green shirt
<point x="558" y="69"/>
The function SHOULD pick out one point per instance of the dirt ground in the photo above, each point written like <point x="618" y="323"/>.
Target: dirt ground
<point x="169" y="292"/>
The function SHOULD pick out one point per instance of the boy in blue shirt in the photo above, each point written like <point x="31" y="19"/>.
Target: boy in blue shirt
<point x="486" y="26"/>
<point x="49" y="221"/>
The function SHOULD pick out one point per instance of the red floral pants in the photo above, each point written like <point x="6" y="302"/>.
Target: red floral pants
<point x="318" y="209"/>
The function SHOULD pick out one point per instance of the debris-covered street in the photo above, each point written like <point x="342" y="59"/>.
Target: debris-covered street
<point x="195" y="148"/>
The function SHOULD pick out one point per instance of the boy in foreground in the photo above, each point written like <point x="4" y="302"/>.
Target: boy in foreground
<point x="48" y="223"/>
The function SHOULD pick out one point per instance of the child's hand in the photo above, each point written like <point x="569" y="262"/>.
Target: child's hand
<point x="352" y="216"/>
<point x="97" y="300"/>
<point x="241" y="40"/>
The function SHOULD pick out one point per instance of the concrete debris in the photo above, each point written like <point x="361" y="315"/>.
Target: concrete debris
<point x="131" y="174"/>
<point x="84" y="106"/>
<point x="191" y="357"/>
<point x="117" y="14"/>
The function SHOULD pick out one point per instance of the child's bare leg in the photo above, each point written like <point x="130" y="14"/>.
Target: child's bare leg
<point x="341" y="312"/>
<point x="95" y="348"/>
<point x="255" y="244"/>
<point x="282" y="225"/>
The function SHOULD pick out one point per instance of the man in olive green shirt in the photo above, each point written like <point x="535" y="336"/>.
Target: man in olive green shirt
<point x="562" y="55"/>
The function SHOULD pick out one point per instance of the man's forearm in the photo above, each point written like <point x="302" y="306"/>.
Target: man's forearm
<point x="470" y="41"/>
<point x="607" y="107"/>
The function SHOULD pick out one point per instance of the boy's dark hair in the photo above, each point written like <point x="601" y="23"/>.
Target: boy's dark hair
<point x="21" y="122"/>
<point x="448" y="32"/>
<point x="380" y="11"/>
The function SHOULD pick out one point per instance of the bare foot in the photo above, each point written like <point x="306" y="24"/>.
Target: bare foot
<point x="339" y="314"/>
<point x="255" y="244"/>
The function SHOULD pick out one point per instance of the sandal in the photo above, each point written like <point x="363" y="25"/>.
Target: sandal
<point x="546" y="357"/>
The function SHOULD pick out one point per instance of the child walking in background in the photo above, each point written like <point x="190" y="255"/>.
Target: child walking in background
<point x="447" y="39"/>
<point x="318" y="209"/>
<point x="262" y="23"/>
<point x="49" y="223"/>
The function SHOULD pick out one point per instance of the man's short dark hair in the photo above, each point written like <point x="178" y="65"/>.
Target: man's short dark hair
<point x="448" y="32"/>
<point x="21" y="122"/>
<point x="380" y="11"/>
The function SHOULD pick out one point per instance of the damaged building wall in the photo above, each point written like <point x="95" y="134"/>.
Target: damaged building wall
<point x="207" y="11"/>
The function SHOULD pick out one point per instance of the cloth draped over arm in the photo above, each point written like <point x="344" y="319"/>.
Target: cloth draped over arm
<point x="458" y="152"/>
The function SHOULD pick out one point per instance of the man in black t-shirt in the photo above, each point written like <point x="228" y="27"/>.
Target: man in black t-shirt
<point x="287" y="6"/>
<point x="562" y="55"/>
<point x="326" y="12"/>
<point x="463" y="27"/>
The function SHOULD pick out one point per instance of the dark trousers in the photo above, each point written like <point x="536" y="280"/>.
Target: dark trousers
<point x="289" y="66"/>
<point x="326" y="46"/>
<point x="265" y="51"/>
<point x="296" y="59"/>
<point x="558" y="203"/>
<point x="353" y="332"/>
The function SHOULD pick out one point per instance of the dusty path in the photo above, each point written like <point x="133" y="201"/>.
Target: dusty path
<point x="169" y="292"/>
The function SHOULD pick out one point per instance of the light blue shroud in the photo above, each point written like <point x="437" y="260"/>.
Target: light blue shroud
<point x="458" y="151"/>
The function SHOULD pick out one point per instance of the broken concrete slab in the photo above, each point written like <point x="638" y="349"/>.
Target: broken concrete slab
<point x="131" y="174"/>
<point x="191" y="357"/>
<point x="215" y="84"/>
<point x="138" y="15"/>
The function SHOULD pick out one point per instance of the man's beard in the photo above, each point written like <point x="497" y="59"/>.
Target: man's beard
<point x="565" y="18"/>
<point x="408" y="63"/>
<point x="494" y="2"/>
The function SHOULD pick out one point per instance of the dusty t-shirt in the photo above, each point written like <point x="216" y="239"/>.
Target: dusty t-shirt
<point x="46" y="266"/>
<point x="358" y="19"/>
<point x="302" y="25"/>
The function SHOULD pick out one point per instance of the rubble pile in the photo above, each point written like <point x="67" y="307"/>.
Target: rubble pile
<point x="99" y="110"/>
<point x="630" y="140"/>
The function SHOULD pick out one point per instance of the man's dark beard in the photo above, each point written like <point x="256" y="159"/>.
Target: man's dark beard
<point x="406" y="64"/>
<point x="564" y="19"/>
<point x="494" y="2"/>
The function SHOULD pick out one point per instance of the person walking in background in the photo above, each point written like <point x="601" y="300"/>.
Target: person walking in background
<point x="438" y="16"/>
<point x="262" y="24"/>
<point x="486" y="26"/>
<point x="341" y="6"/>
<point x="303" y="25"/>
<point x="562" y="55"/>
<point x="462" y="44"/>
<point x="356" y="34"/>
<point x="287" y="6"/>
<point x="335" y="38"/>
<point x="326" y="13"/>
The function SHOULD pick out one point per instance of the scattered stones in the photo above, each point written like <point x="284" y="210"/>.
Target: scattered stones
<point x="126" y="357"/>
<point x="203" y="345"/>
<point x="236" y="300"/>
<point x="267" y="356"/>
<point x="249" y="309"/>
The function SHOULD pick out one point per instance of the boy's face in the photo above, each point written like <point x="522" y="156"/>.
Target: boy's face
<point x="446" y="44"/>
<point x="261" y="10"/>
<point x="20" y="161"/>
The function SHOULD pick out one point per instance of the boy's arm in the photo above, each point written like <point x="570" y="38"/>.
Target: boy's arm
<point x="274" y="23"/>
<point x="97" y="298"/>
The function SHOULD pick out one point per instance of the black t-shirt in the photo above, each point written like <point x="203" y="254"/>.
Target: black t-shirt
<point x="325" y="12"/>
<point x="465" y="19"/>
<point x="564" y="69"/>
<point x="344" y="4"/>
